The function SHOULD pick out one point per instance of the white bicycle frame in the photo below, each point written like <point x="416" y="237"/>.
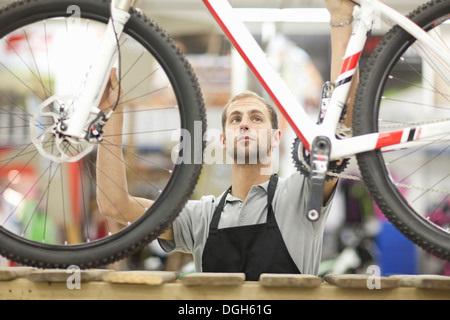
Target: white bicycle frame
<point x="307" y="130"/>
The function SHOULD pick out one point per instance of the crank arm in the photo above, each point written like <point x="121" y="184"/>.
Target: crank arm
<point x="320" y="156"/>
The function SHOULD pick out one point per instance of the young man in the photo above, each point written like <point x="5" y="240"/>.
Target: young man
<point x="259" y="224"/>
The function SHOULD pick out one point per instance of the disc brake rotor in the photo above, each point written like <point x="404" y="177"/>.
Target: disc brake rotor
<point x="46" y="131"/>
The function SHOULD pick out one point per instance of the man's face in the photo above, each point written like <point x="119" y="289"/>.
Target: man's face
<point x="248" y="135"/>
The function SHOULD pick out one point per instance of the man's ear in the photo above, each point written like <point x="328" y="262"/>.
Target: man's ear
<point x="222" y="141"/>
<point x="276" y="138"/>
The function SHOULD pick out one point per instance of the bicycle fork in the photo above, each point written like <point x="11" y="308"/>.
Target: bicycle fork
<point x="87" y="103"/>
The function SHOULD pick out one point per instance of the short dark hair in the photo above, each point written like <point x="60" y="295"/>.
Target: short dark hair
<point x="250" y="94"/>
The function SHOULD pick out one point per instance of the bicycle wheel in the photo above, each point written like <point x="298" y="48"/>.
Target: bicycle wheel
<point x="398" y="89"/>
<point x="49" y="215"/>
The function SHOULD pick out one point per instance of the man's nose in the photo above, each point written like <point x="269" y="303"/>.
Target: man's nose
<point x="244" y="125"/>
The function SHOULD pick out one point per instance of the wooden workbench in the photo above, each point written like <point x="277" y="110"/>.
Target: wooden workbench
<point x="221" y="287"/>
<point x="25" y="289"/>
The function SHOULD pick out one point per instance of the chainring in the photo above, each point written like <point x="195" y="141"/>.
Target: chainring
<point x="302" y="162"/>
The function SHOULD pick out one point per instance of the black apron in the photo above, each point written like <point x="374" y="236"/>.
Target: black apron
<point x="252" y="249"/>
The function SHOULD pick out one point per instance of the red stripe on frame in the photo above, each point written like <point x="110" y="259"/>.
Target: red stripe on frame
<point x="350" y="62"/>
<point x="389" y="138"/>
<point x="255" y="72"/>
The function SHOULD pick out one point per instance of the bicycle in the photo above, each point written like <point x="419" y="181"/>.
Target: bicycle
<point x="50" y="98"/>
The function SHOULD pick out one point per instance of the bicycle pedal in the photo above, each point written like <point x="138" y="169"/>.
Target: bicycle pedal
<point x="320" y="155"/>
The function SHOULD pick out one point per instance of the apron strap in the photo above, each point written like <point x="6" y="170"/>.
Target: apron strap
<point x="270" y="194"/>
<point x="271" y="188"/>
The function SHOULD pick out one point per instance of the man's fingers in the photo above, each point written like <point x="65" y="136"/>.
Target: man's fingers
<point x="113" y="78"/>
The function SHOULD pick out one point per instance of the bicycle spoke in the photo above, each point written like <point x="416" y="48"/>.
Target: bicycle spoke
<point x="125" y="221"/>
<point x="128" y="148"/>
<point x="21" y="81"/>
<point x="45" y="194"/>
<point x="415" y="103"/>
<point x="38" y="76"/>
<point x="142" y="132"/>
<point x="47" y="57"/>
<point x="134" y="170"/>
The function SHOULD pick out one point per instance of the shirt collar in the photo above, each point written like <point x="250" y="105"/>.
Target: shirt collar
<point x="264" y="186"/>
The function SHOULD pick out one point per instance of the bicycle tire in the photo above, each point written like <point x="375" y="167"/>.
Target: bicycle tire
<point x="384" y="178"/>
<point x="184" y="176"/>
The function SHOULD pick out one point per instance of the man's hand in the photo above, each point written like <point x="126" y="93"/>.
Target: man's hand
<point x="340" y="9"/>
<point x="109" y="98"/>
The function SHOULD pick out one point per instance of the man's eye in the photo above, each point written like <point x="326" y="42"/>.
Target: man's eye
<point x="234" y="120"/>
<point x="257" y="119"/>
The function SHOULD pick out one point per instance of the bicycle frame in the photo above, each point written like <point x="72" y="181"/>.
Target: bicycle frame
<point x="295" y="114"/>
<point x="307" y="130"/>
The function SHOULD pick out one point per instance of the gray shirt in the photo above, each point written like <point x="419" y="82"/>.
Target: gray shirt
<point x="302" y="237"/>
